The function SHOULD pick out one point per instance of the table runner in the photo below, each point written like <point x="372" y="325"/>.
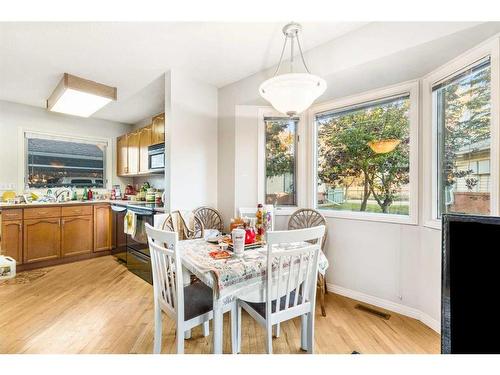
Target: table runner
<point x="235" y="272"/>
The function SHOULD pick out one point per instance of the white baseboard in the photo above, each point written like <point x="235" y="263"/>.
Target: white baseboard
<point x="386" y="304"/>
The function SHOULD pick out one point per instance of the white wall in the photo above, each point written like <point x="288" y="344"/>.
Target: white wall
<point x="14" y="116"/>
<point x="391" y="265"/>
<point x="191" y="142"/>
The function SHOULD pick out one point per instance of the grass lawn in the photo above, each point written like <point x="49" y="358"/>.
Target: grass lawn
<point x="371" y="207"/>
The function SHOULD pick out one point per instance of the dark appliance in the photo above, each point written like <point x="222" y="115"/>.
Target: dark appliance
<point x="119" y="249"/>
<point x="156" y="157"/>
<point x="470" y="283"/>
<point x="138" y="258"/>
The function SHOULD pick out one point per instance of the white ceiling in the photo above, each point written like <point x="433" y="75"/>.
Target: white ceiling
<point x="134" y="56"/>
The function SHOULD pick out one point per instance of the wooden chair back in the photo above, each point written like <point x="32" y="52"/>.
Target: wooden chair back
<point x="210" y="218"/>
<point x="308" y="218"/>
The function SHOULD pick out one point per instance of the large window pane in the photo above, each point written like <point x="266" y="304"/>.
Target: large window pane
<point x="53" y="163"/>
<point x="281" y="146"/>
<point x="355" y="171"/>
<point x="462" y="114"/>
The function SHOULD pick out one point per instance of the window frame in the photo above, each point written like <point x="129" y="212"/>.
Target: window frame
<point x="23" y="151"/>
<point x="300" y="162"/>
<point x="410" y="88"/>
<point x="489" y="48"/>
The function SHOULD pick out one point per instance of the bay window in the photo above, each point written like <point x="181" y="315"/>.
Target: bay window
<point x="462" y="117"/>
<point x="365" y="157"/>
<point x="280" y="163"/>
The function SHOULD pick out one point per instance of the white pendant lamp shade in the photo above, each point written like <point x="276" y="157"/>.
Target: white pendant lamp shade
<point x="292" y="93"/>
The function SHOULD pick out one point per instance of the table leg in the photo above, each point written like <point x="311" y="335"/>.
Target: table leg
<point x="218" y="316"/>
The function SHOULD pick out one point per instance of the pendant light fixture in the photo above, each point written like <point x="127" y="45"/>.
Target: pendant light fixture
<point x="292" y="93"/>
<point x="79" y="97"/>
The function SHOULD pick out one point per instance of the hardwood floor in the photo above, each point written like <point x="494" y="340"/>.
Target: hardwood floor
<point x="97" y="306"/>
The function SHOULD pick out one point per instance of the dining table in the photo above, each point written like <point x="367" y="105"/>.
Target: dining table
<point x="242" y="276"/>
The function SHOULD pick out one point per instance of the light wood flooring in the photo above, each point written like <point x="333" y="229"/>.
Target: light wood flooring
<point x="97" y="306"/>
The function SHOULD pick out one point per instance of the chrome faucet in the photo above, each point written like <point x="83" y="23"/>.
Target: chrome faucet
<point x="59" y="194"/>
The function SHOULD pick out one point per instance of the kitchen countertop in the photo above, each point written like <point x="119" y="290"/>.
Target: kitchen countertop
<point x="4" y="205"/>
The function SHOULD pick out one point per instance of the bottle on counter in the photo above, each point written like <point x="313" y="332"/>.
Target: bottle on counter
<point x="90" y="195"/>
<point x="260" y="222"/>
<point x="85" y="195"/>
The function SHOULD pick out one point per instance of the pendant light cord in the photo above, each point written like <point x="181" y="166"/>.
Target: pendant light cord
<point x="302" y="55"/>
<point x="296" y="36"/>
<point x="281" y="57"/>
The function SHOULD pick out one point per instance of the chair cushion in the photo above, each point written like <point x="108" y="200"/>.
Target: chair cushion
<point x="198" y="300"/>
<point x="260" y="307"/>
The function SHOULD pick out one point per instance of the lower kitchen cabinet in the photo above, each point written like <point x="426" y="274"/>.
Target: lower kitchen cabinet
<point x="12" y="239"/>
<point x="42" y="239"/>
<point x="102" y="227"/>
<point x="77" y="235"/>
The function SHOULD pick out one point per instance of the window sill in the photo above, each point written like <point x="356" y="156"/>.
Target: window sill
<point x="433" y="224"/>
<point x="367" y="216"/>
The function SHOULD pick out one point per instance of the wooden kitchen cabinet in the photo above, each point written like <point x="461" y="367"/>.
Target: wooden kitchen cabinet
<point x="102" y="227"/>
<point x="133" y="153"/>
<point x="158" y="129"/>
<point x="77" y="235"/>
<point x="144" y="143"/>
<point x="122" y="155"/>
<point x="12" y="239"/>
<point x="41" y="239"/>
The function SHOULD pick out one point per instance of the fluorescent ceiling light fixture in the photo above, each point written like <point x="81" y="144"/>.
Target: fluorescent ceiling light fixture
<point x="79" y="97"/>
<point x="292" y="93"/>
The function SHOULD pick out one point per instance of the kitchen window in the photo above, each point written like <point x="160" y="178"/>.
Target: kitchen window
<point x="462" y="117"/>
<point x="280" y="163"/>
<point x="64" y="162"/>
<point x="365" y="159"/>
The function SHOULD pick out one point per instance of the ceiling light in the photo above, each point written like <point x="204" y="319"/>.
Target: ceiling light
<point x="80" y="97"/>
<point x="292" y="93"/>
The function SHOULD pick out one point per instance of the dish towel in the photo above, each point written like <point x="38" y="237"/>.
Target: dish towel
<point x="130" y="223"/>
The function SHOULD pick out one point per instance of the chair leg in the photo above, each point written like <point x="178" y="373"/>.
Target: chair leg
<point x="238" y="326"/>
<point x="187" y="334"/>
<point x="303" y="332"/>
<point x="269" y="339"/>
<point x="180" y="340"/>
<point x="234" y="329"/>
<point x="158" y="330"/>
<point x="321" y="282"/>
<point x="206" y="328"/>
<point x="277" y="330"/>
<point x="310" y="332"/>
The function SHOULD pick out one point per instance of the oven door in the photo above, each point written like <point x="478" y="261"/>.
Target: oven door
<point x="140" y="265"/>
<point x="139" y="242"/>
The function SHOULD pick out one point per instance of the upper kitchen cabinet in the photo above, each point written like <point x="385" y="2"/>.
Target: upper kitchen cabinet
<point x="133" y="153"/>
<point x="122" y="155"/>
<point x="158" y="129"/>
<point x="144" y="142"/>
<point x="132" y="148"/>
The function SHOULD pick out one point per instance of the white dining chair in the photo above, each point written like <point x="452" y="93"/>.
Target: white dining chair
<point x="290" y="289"/>
<point x="252" y="211"/>
<point x="190" y="305"/>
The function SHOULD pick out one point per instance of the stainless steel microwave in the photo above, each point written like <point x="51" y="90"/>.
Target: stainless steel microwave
<point x="156" y="156"/>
